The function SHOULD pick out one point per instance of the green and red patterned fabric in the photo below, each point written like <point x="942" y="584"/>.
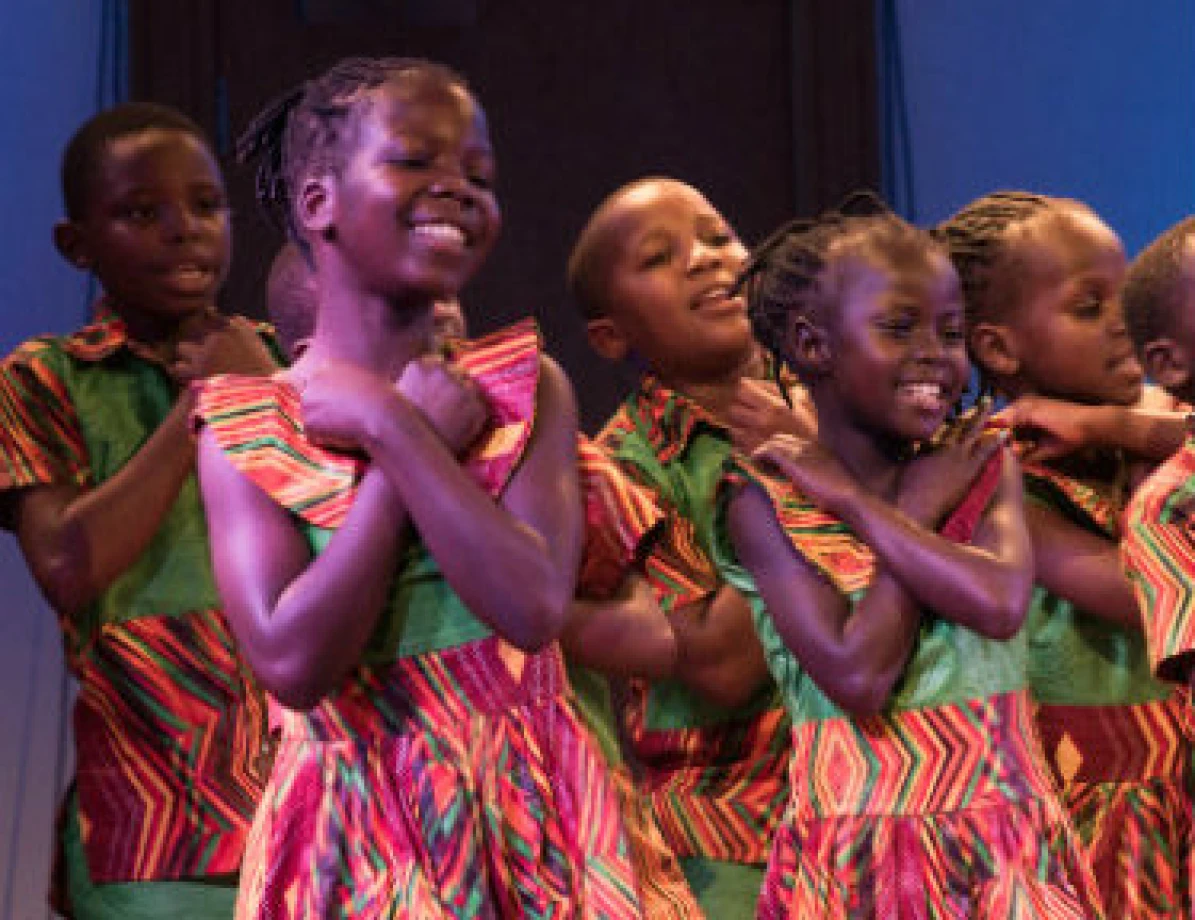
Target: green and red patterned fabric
<point x="449" y="776"/>
<point x="1113" y="733"/>
<point x="170" y="731"/>
<point x="716" y="779"/>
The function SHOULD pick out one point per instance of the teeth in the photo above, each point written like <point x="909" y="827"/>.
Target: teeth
<point x="924" y="395"/>
<point x="443" y="232"/>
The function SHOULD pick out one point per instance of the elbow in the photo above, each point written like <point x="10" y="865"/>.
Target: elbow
<point x="539" y="624"/>
<point x="1006" y="610"/>
<point x="295" y="683"/>
<point x="861" y="692"/>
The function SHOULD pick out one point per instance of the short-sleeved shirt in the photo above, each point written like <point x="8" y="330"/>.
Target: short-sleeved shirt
<point x="170" y="730"/>
<point x="1075" y="658"/>
<point x="717" y="778"/>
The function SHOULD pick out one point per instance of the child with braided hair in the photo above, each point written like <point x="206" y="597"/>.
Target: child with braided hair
<point x="399" y="539"/>
<point x="1042" y="278"/>
<point x="895" y="566"/>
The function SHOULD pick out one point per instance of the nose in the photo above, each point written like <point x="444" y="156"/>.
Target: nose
<point x="453" y="183"/>
<point x="703" y="256"/>
<point x="180" y="223"/>
<point x="927" y="345"/>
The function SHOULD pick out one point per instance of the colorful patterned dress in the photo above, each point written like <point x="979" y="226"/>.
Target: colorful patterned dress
<point x="1112" y="732"/>
<point x="715" y="779"/>
<point x="621" y="520"/>
<point x="171" y="741"/>
<point x="449" y="776"/>
<point x="1158" y="551"/>
<point x="941" y="806"/>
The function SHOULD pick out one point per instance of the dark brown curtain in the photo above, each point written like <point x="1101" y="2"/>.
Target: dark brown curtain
<point x="768" y="106"/>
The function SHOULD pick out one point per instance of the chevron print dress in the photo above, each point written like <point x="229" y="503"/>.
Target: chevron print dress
<point x="1112" y="732"/>
<point x="941" y="808"/>
<point x="449" y="777"/>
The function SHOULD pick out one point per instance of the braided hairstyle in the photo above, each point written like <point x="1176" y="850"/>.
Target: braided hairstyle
<point x="309" y="128"/>
<point x="1153" y="292"/>
<point x="800" y="269"/>
<point x="85" y="151"/>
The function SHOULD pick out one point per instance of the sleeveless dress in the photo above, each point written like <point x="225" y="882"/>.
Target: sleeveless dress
<point x="449" y="776"/>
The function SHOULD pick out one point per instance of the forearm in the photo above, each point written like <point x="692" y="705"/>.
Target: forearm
<point x="1150" y="434"/>
<point x="306" y="639"/>
<point x="627" y="635"/>
<point x="506" y="572"/>
<point x="77" y="547"/>
<point x="719" y="655"/>
<point x="966" y="584"/>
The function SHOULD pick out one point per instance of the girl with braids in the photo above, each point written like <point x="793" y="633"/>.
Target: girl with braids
<point x="895" y="567"/>
<point x="1042" y="279"/>
<point x="97" y="482"/>
<point x="399" y="540"/>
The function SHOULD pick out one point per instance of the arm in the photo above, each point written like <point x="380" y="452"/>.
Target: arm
<point x="626" y="635"/>
<point x="1081" y="566"/>
<point x="78" y="541"/>
<point x="855" y="653"/>
<point x="301" y="623"/>
<point x="719" y="655"/>
<point x="1055" y="429"/>
<point x="513" y="564"/>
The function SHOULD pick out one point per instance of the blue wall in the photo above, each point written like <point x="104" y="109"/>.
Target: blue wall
<point x="1094" y="99"/>
<point x="48" y="85"/>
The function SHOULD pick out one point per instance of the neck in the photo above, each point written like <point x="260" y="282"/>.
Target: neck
<point x="874" y="460"/>
<point x="714" y="394"/>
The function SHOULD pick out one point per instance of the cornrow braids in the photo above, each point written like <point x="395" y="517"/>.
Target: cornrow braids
<point x="787" y="273"/>
<point x="1153" y="291"/>
<point x="305" y="129"/>
<point x="84" y="152"/>
<point x="975" y="239"/>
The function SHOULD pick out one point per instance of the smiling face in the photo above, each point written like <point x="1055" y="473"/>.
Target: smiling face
<point x="155" y="228"/>
<point x="896" y="359"/>
<point x="664" y="263"/>
<point x="1068" y="333"/>
<point x="413" y="212"/>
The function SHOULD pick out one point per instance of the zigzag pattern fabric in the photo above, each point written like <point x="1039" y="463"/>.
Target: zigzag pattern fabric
<point x="444" y="787"/>
<point x="1124" y="771"/>
<point x="936" y="814"/>
<point x="1158" y="553"/>
<point x="457" y="783"/>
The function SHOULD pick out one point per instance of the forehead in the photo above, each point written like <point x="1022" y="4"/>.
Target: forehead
<point x="1068" y="240"/>
<point x="428" y="106"/>
<point x="648" y="208"/>
<point x="910" y="273"/>
<point x="156" y="154"/>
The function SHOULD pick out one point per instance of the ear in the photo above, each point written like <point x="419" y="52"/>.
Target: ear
<point x="1166" y="364"/>
<point x="995" y="349"/>
<point x="315" y="206"/>
<point x="810" y="346"/>
<point x="71" y="243"/>
<point x="607" y="339"/>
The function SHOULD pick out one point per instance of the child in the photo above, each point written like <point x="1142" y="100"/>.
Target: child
<point x="918" y="788"/>
<point x="652" y="270"/>
<point x="96" y="468"/>
<point x="1042" y="279"/>
<point x="1157" y="544"/>
<point x="291" y="299"/>
<point x="398" y="603"/>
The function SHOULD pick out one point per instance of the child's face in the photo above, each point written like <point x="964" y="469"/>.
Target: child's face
<point x="898" y="358"/>
<point x="668" y="263"/>
<point x="1068" y="332"/>
<point x="416" y="212"/>
<point x="156" y="230"/>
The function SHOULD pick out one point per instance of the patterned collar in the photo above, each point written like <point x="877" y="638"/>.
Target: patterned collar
<point x="668" y="419"/>
<point x="106" y="335"/>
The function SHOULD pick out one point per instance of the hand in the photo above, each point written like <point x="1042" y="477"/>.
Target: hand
<point x="936" y="480"/>
<point x="812" y="469"/>
<point x="339" y="402"/>
<point x="1047" y="429"/>
<point x="448" y="399"/>
<point x="758" y="412"/>
<point x="213" y="344"/>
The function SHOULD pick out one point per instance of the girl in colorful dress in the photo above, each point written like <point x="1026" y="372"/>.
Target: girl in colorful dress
<point x="894" y="562"/>
<point x="399" y="537"/>
<point x="1042" y="278"/>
